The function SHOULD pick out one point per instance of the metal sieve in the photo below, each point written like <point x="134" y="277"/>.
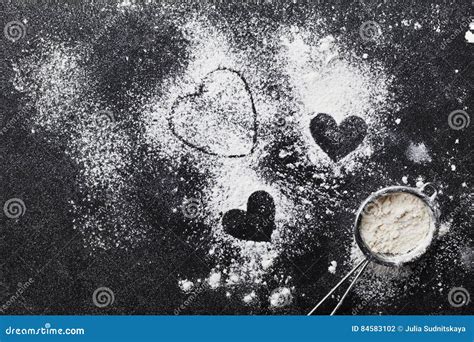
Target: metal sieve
<point x="386" y="259"/>
<point x="422" y="247"/>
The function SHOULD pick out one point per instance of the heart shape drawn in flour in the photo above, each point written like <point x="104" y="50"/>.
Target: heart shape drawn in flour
<point x="337" y="141"/>
<point x="219" y="118"/>
<point x="255" y="224"/>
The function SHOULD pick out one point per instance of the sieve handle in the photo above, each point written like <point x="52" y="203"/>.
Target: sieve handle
<point x="362" y="269"/>
<point x="433" y="187"/>
<point x="361" y="265"/>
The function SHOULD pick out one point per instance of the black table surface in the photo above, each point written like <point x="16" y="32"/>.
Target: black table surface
<point x="432" y="76"/>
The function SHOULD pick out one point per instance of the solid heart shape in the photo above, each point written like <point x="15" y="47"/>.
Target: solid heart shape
<point x="337" y="141"/>
<point x="257" y="223"/>
<point x="219" y="118"/>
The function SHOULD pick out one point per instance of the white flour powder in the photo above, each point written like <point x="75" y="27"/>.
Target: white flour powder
<point x="395" y="224"/>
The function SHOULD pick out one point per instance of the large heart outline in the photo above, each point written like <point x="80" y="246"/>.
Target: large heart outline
<point x="199" y="92"/>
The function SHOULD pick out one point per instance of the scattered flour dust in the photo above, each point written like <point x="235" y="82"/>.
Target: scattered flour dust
<point x="231" y="181"/>
<point x="418" y="153"/>
<point x="224" y="108"/>
<point x="249" y="298"/>
<point x="469" y="35"/>
<point x="61" y="89"/>
<point x="325" y="80"/>
<point x="280" y="297"/>
<point x="55" y="83"/>
<point x="209" y="51"/>
<point x="378" y="277"/>
<point x="323" y="77"/>
<point x="332" y="267"/>
<point x="321" y="80"/>
<point x="214" y="280"/>
<point x="186" y="285"/>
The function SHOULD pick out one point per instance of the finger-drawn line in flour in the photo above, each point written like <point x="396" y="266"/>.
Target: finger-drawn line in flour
<point x="199" y="92"/>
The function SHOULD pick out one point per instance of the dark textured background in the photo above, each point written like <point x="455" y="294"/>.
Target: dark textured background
<point x="42" y="244"/>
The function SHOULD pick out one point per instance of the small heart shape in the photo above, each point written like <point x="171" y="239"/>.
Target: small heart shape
<point x="338" y="141"/>
<point x="255" y="224"/>
<point x="219" y="118"/>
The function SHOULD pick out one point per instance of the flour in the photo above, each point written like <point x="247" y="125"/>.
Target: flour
<point x="396" y="224"/>
<point x="379" y="276"/>
<point x="185" y="285"/>
<point x="249" y="298"/>
<point x="220" y="120"/>
<point x="281" y="297"/>
<point x="332" y="267"/>
<point x="231" y="181"/>
<point x="61" y="89"/>
<point x="313" y="74"/>
<point x="296" y="67"/>
<point x="418" y="153"/>
<point x="327" y="80"/>
<point x="214" y="280"/>
<point x="331" y="83"/>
